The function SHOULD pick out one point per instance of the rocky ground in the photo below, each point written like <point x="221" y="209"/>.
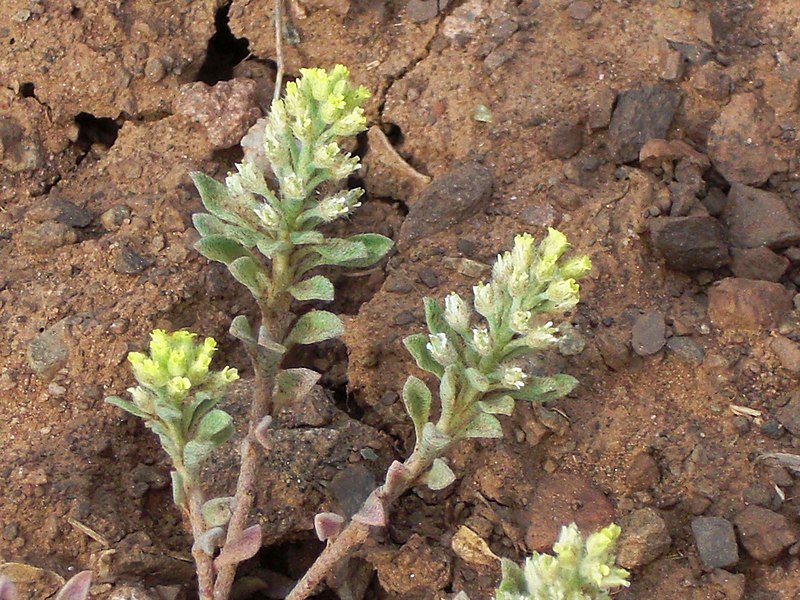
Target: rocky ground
<point x="659" y="135"/>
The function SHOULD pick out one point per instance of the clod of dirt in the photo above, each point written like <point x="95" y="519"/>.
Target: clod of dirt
<point x="759" y="218"/>
<point x="61" y="211"/>
<point x="758" y="263"/>
<point x="566" y="140"/>
<point x="690" y="243"/>
<point x="716" y="542"/>
<point x="226" y="110"/>
<point x="640" y="115"/>
<point x="740" y="145"/>
<point x="712" y="82"/>
<point x="450" y="199"/>
<point x="789" y="415"/>
<point x="49" y="350"/>
<point x="643" y="473"/>
<point x="736" y="303"/>
<point x="601" y="106"/>
<point x="644" y="538"/>
<point x="18" y="151"/>
<point x="788" y="353"/>
<point x="415" y="570"/>
<point x="48" y="236"/>
<point x="130" y="262"/>
<point x="686" y="349"/>
<point x="731" y="585"/>
<point x="420" y="11"/>
<point x="764" y="534"/>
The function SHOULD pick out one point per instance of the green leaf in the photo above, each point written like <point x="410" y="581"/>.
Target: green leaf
<point x="178" y="497"/>
<point x="483" y="426"/>
<point x="167" y="412"/>
<point x="376" y="246"/>
<point x="417" y="398"/>
<point x="477" y="380"/>
<point x="448" y="389"/>
<point x="292" y="385"/>
<point x="221" y="249"/>
<point x="434" y="317"/>
<point x="545" y="389"/>
<point x="315" y="288"/>
<point x="501" y="405"/>
<point x="208" y="225"/>
<point x="300" y="238"/>
<point x="196" y="409"/>
<point x="195" y="453"/>
<point x="209" y="541"/>
<point x="127" y="406"/>
<point x="270" y="248"/>
<point x="417" y="346"/>
<point x="216" y="427"/>
<point x="250" y="274"/>
<point x="440" y="475"/>
<point x="340" y="252"/>
<point x="433" y="441"/>
<point x="315" y="326"/>
<point x="215" y="197"/>
<point x="164" y="438"/>
<point x="265" y="341"/>
<point x="240" y="329"/>
<point x="513" y="578"/>
<point x="217" y="511"/>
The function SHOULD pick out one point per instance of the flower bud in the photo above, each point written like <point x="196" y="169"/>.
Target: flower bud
<point x="513" y="377"/>
<point x="484" y="298"/>
<point x="575" y="268"/>
<point x="553" y="246"/>
<point x="540" y="337"/>
<point x="518" y="285"/>
<point x="456" y="312"/>
<point x="482" y="341"/>
<point x="519" y="321"/>
<point x="268" y="216"/>
<point x="564" y="294"/>
<point x="441" y="349"/>
<point x="522" y="253"/>
<point x="502" y="269"/>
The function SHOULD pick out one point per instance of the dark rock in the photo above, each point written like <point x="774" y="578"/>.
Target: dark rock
<point x="450" y="199"/>
<point x="764" y="534"/>
<point x="420" y="11"/>
<point x="643" y="473"/>
<point x="405" y="317"/>
<point x="350" y="488"/>
<point x="10" y="532"/>
<point x="686" y="349"/>
<point x="466" y="247"/>
<point x="398" y="285"/>
<point x="710" y="28"/>
<point x="115" y="216"/>
<point x="697" y="54"/>
<point x="640" y="115"/>
<point x="566" y="140"/>
<point x="760" y="495"/>
<point x="48" y="236"/>
<point x="649" y="334"/>
<point x="612" y="346"/>
<point x="741" y="424"/>
<point x="789" y="415"/>
<point x="715" y="201"/>
<point x="129" y="262"/>
<point x="690" y="243"/>
<point x="716" y="542"/>
<point x="740" y="145"/>
<point x="49" y="351"/>
<point x="758" y="263"/>
<point x="644" y="538"/>
<point x="735" y="303"/>
<point x="428" y="277"/>
<point x="788" y="353"/>
<point x="600" y="109"/>
<point x="672" y="64"/>
<point x="60" y="211"/>
<point x="772" y="429"/>
<point x="758" y="218"/>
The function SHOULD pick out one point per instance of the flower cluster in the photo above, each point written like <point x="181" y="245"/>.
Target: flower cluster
<point x="579" y="569"/>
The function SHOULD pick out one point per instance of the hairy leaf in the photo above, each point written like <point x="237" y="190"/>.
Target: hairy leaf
<point x="240" y="329"/>
<point x="477" y="380"/>
<point x="300" y="238"/>
<point x="501" y="405"/>
<point x="245" y="546"/>
<point x="376" y="247"/>
<point x="215" y="197"/>
<point x="127" y="406"/>
<point x="327" y="525"/>
<point x="217" y="511"/>
<point x="417" y="345"/>
<point x="513" y="578"/>
<point x="417" y="398"/>
<point x="270" y="248"/>
<point x="372" y="513"/>
<point x="439" y="476"/>
<point x="545" y="389"/>
<point x="208" y="225"/>
<point x="315" y="288"/>
<point x="220" y="248"/>
<point x="270" y="345"/>
<point x="216" y="427"/>
<point x="448" y="390"/>
<point x="434" y="317"/>
<point x="433" y="440"/>
<point x="291" y="385"/>
<point x="178" y="496"/>
<point x="483" y="426"/>
<point x="315" y="326"/>
<point x="339" y="252"/>
<point x="250" y="274"/>
<point x="211" y="539"/>
<point x="195" y="453"/>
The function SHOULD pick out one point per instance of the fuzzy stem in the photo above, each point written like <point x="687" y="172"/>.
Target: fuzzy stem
<point x="204" y="564"/>
<point x="356" y="533"/>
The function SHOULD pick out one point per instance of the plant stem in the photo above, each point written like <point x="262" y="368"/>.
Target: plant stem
<point x="278" y="14"/>
<point x="356" y="533"/>
<point x="204" y="564"/>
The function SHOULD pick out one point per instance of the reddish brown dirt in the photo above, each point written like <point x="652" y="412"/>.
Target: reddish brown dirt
<point x="87" y="117"/>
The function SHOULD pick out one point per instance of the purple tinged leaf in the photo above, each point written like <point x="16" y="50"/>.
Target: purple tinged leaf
<point x="396" y="475"/>
<point x="7" y="589"/>
<point x="262" y="432"/>
<point x="328" y="525"/>
<point x="241" y="548"/>
<point x="372" y="513"/>
<point x="76" y="588"/>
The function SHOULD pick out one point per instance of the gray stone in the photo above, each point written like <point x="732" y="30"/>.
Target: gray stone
<point x="788" y="353"/>
<point x="640" y="115"/>
<point x="130" y="262"/>
<point x="758" y="218"/>
<point x="580" y="10"/>
<point x="420" y="11"/>
<point x="789" y="415"/>
<point x="758" y="263"/>
<point x="686" y="349"/>
<point x="690" y="243"/>
<point x="428" y="277"/>
<point x="450" y="199"/>
<point x="648" y="334"/>
<point x="60" y="211"/>
<point x="644" y="538"/>
<point x="49" y="351"/>
<point x="716" y="542"/>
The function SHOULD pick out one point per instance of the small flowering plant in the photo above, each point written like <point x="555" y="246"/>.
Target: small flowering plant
<point x="580" y="569"/>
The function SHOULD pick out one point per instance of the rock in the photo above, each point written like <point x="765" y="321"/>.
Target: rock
<point x="450" y="199"/>
<point x="764" y="534"/>
<point x="154" y="69"/>
<point x="736" y="303"/>
<point x="130" y="262"/>
<point x="759" y="218"/>
<point x="115" y="216"/>
<point x="460" y="26"/>
<point x="48" y="236"/>
<point x="712" y="82"/>
<point x="600" y="109"/>
<point x="788" y="353"/>
<point x="715" y="201"/>
<point x="772" y="429"/>
<point x="641" y="114"/>
<point x="565" y="140"/>
<point x="540" y="215"/>
<point x="264" y="77"/>
<point x="420" y="11"/>
<point x="130" y="592"/>
<point x="690" y="243"/>
<point x="648" y="334"/>
<point x="789" y="415"/>
<point x="656" y="152"/>
<point x="428" y="277"/>
<point x="761" y="494"/>
<point x="49" y="351"/>
<point x="613" y="348"/>
<point x="716" y="542"/>
<point x="709" y="27"/>
<point x="758" y="263"/>
<point x="740" y="145"/>
<point x="562" y="498"/>
<point x="671" y="63"/>
<point x="60" y="211"/>
<point x="580" y="10"/>
<point x="643" y="473"/>
<point x="644" y="538"/>
<point x="686" y="349"/>
<point x="730" y="584"/>
<point x="226" y="110"/>
<point x="19" y="151"/>
<point x="415" y="570"/>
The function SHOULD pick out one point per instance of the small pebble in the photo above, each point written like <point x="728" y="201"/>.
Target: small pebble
<point x="428" y="277"/>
